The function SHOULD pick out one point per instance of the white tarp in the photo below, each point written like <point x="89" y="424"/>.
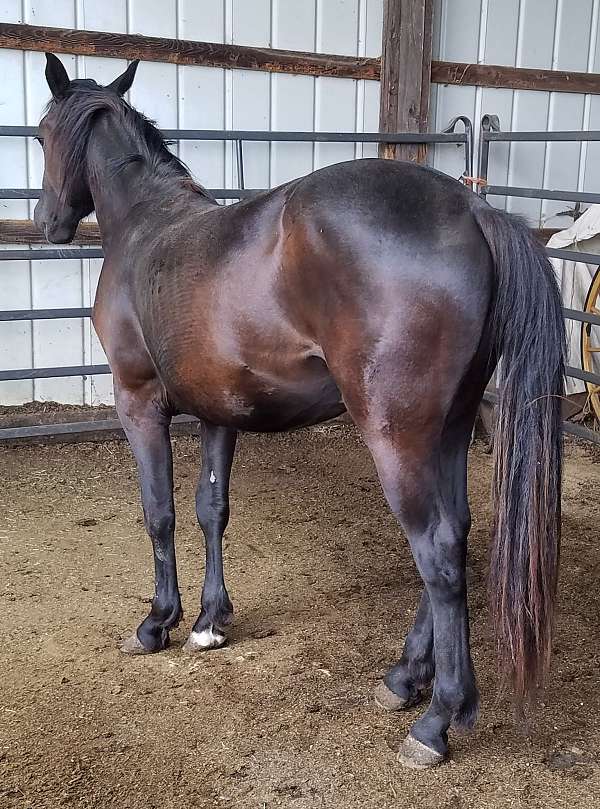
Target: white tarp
<point x="575" y="278"/>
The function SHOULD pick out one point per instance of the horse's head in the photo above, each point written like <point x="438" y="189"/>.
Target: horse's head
<point x="63" y="134"/>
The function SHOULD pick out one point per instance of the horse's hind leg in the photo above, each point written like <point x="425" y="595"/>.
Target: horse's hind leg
<point x="404" y="684"/>
<point x="147" y="428"/>
<point x="212" y="508"/>
<point x="424" y="481"/>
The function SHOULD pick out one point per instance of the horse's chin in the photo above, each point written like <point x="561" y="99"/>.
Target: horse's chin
<point x="60" y="235"/>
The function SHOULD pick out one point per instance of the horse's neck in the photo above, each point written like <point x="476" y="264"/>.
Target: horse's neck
<point x="116" y="191"/>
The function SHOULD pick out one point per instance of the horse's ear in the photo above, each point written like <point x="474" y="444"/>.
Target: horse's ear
<point x="56" y="76"/>
<point x="123" y="82"/>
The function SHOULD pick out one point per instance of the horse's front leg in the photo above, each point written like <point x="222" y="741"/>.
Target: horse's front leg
<point x="146" y="425"/>
<point x="212" y="508"/>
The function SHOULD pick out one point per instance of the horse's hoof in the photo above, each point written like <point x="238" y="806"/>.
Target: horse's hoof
<point x="210" y="638"/>
<point x="418" y="756"/>
<point x="134" y="646"/>
<point x="386" y="699"/>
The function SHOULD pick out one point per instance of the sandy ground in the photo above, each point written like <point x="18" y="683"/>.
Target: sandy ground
<point x="324" y="589"/>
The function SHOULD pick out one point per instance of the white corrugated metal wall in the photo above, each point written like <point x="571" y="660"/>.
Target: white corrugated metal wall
<point x="176" y="97"/>
<point x="556" y="34"/>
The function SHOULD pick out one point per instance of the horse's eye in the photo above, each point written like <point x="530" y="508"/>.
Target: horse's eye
<point x="40" y="141"/>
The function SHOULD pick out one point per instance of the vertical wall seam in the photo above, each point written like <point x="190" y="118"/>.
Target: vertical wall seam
<point x="513" y="105"/>
<point x="29" y="203"/>
<point x="229" y="145"/>
<point x="359" y="94"/>
<point x="317" y="93"/>
<point x="555" y="46"/>
<point x="481" y="49"/>
<point x="443" y="27"/>
<point x="178" y="77"/>
<point x="80" y="72"/>
<point x="587" y="102"/>
<point x="271" y="88"/>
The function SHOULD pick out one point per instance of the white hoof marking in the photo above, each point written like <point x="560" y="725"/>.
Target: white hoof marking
<point x="207" y="639"/>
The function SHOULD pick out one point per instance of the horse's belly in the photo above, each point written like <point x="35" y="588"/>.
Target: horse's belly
<point x="259" y="403"/>
<point x="285" y="409"/>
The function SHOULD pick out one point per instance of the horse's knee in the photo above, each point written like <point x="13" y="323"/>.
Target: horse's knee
<point x="212" y="511"/>
<point x="160" y="523"/>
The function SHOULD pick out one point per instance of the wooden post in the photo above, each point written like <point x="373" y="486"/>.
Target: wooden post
<point x="405" y="74"/>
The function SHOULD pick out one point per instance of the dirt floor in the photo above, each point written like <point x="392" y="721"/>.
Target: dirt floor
<point x="324" y="589"/>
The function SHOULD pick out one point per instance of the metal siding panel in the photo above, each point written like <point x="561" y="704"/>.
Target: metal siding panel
<point x="527" y="160"/>
<point x="451" y="101"/>
<point x="458" y="41"/>
<point x="335" y="99"/>
<point x="57" y="13"/>
<point x="368" y="91"/>
<point x="538" y="21"/>
<point x="590" y="171"/>
<point x="252" y="23"/>
<point x="562" y="159"/>
<point x="574" y="21"/>
<point x="107" y="15"/>
<point x="501" y="34"/>
<point x="371" y="115"/>
<point x="15" y="338"/>
<point x="499" y="47"/>
<point x="251" y="91"/>
<point x="337" y="26"/>
<point x="294" y="25"/>
<point x="531" y="109"/>
<point x="154" y="91"/>
<point x="292" y="110"/>
<point x="500" y="103"/>
<point x="374" y="14"/>
<point x="201" y="106"/>
<point x="201" y="100"/>
<point x="460" y="30"/>
<point x="11" y="11"/>
<point x="293" y="97"/>
<point x="57" y="342"/>
<point x="567" y="110"/>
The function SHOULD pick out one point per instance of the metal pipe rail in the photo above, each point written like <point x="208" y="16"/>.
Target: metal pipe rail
<point x="282" y="136"/>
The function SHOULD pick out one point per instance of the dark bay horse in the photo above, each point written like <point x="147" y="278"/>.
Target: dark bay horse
<point x="379" y="287"/>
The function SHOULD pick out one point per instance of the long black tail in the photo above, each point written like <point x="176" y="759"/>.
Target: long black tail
<point x="528" y="332"/>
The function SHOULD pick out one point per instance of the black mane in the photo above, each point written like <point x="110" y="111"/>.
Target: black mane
<point x="76" y="114"/>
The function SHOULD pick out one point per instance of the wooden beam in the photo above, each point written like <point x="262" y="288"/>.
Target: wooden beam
<point x="184" y="52"/>
<point x="514" y="78"/>
<point x="25" y="231"/>
<point x="405" y="74"/>
<point x="211" y="54"/>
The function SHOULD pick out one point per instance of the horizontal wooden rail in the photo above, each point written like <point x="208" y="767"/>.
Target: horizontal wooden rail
<point x="184" y="52"/>
<point x="213" y="54"/>
<point x="25" y="231"/>
<point x="514" y="78"/>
